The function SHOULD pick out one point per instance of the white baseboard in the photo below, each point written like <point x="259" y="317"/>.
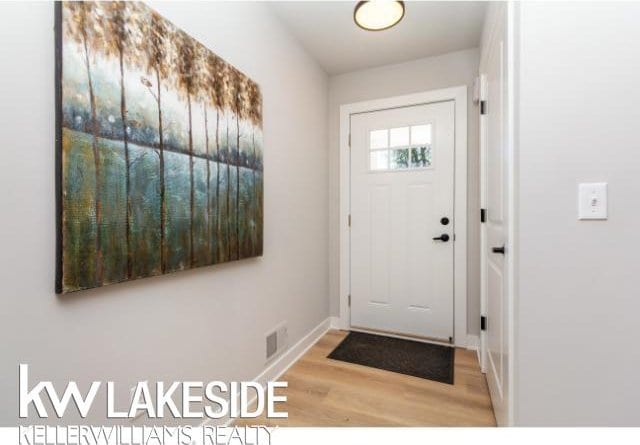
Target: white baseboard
<point x="293" y="354"/>
<point x="281" y="364"/>
<point x="334" y="322"/>
<point x="473" y="344"/>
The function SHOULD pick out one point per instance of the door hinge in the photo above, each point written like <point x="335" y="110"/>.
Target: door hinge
<point x="349" y="222"/>
<point x="483" y="323"/>
<point x="483" y="107"/>
<point x="349" y="140"/>
<point x="483" y="215"/>
<point x="349" y="297"/>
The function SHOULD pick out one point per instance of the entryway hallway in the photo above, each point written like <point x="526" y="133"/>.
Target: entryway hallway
<point x="330" y="393"/>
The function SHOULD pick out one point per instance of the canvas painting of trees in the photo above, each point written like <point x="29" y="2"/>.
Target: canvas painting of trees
<point x="159" y="149"/>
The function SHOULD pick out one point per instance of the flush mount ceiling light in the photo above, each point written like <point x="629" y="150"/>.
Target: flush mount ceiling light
<point x="377" y="15"/>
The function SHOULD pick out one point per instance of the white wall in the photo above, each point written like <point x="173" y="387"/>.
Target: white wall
<point x="205" y="324"/>
<point x="453" y="69"/>
<point x="578" y="303"/>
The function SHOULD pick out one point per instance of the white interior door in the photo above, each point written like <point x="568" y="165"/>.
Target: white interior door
<point x="402" y="225"/>
<point x="495" y="202"/>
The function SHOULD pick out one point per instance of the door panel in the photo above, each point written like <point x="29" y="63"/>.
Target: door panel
<point x="420" y="279"/>
<point x="496" y="333"/>
<point x="380" y="241"/>
<point x="494" y="126"/>
<point x="402" y="164"/>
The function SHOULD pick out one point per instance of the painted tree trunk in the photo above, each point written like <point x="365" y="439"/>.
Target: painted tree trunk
<point x="238" y="183"/>
<point x="163" y="201"/>
<point x="206" y="141"/>
<point x="98" y="263"/>
<point x="192" y="258"/>
<point x="255" y="192"/>
<point x="125" y="139"/>
<point x="228" y="194"/>
<point x="218" y="228"/>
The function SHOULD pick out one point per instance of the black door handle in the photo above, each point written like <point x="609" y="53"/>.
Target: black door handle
<point x="444" y="238"/>
<point x="498" y="250"/>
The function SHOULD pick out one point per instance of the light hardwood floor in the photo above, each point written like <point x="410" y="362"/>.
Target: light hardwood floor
<point x="324" y="392"/>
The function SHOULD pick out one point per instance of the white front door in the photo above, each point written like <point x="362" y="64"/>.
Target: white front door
<point x="402" y="226"/>
<point x="494" y="139"/>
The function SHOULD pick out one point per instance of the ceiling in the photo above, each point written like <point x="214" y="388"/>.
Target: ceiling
<point x="327" y="31"/>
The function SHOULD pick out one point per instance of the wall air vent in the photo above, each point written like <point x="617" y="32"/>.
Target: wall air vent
<point x="272" y="344"/>
<point x="276" y="341"/>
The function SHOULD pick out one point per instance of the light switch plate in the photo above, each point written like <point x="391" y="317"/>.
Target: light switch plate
<point x="592" y="200"/>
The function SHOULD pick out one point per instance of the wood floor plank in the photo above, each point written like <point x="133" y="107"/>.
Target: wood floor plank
<point x="324" y="392"/>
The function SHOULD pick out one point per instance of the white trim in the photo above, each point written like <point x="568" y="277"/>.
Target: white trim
<point x="275" y="370"/>
<point x="512" y="42"/>
<point x="473" y="344"/>
<point x="513" y="39"/>
<point x="282" y="364"/>
<point x="459" y="95"/>
<point x="483" y="229"/>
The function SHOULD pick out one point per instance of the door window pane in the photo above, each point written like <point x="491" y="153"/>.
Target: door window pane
<point x="378" y="139"/>
<point x="399" y="137"/>
<point x="399" y="159"/>
<point x="421" y="157"/>
<point x="421" y="134"/>
<point x="379" y="160"/>
<point x="401" y="148"/>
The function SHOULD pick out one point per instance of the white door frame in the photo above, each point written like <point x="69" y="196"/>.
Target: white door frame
<point x="459" y="96"/>
<point x="503" y="11"/>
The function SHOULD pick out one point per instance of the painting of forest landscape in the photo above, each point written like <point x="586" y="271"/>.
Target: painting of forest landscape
<point x="159" y="149"/>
